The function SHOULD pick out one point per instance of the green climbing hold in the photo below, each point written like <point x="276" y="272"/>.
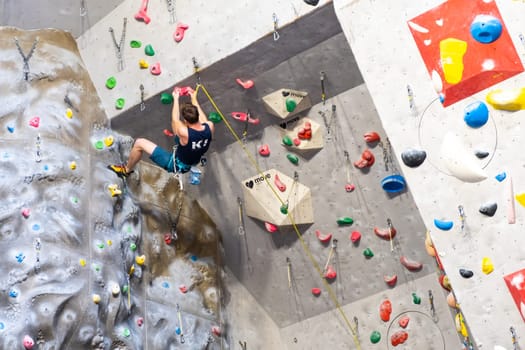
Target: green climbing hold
<point x="119" y="104"/>
<point x="99" y="144"/>
<point x="125" y="288"/>
<point x="148" y="50"/>
<point x="290" y="104"/>
<point x="368" y="253"/>
<point x="345" y="221"/>
<point x="126" y="332"/>
<point x="111" y="82"/>
<point x="100" y="245"/>
<point x="292" y="158"/>
<point x="133" y="246"/>
<point x="135" y="44"/>
<point x="287" y="140"/>
<point x="166" y="98"/>
<point x="416" y="299"/>
<point x="375" y="337"/>
<point x="284" y="208"/>
<point x="215" y="117"/>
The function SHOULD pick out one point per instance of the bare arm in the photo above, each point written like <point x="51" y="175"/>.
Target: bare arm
<point x="203" y="118"/>
<point x="176" y="124"/>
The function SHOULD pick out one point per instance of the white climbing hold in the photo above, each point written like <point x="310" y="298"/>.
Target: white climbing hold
<point x="461" y="163"/>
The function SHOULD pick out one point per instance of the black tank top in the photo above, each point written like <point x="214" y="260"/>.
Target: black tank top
<point x="198" y="143"/>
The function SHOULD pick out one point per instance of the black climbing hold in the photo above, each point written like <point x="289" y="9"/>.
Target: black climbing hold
<point x="312" y="2"/>
<point x="466" y="273"/>
<point x="285" y="93"/>
<point x="488" y="209"/>
<point x="413" y="157"/>
<point x="249" y="184"/>
<point x="481" y="154"/>
<point x="283" y="125"/>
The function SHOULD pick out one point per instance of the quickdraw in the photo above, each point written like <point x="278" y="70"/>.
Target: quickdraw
<point x="26" y="58"/>
<point x="119" y="46"/>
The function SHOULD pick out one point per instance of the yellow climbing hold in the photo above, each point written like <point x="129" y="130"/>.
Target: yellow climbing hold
<point x="96" y="298"/>
<point x="520" y="197"/>
<point x="140" y="260"/>
<point x="132" y="269"/>
<point x="83" y="262"/>
<point x="460" y="325"/>
<point x="486" y="265"/>
<point x="507" y="100"/>
<point x="143" y="64"/>
<point x="109" y="242"/>
<point x="451" y="52"/>
<point x="114" y="190"/>
<point x="108" y="141"/>
<point x="73" y="165"/>
<point x="69" y="113"/>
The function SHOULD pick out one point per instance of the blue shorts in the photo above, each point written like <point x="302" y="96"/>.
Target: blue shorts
<point x="164" y="159"/>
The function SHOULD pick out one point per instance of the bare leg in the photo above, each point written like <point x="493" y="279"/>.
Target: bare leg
<point x="139" y="147"/>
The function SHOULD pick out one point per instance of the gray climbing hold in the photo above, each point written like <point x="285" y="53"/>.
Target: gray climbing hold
<point x="466" y="273"/>
<point x="488" y="209"/>
<point x="413" y="157"/>
<point x="481" y="154"/>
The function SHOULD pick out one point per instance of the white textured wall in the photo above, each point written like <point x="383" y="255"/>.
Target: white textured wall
<point x="217" y="29"/>
<point x="389" y="60"/>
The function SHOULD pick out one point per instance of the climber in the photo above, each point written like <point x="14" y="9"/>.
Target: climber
<point x="193" y="135"/>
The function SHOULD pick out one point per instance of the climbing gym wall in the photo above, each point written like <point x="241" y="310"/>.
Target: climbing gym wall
<point x="91" y="262"/>
<point x="447" y="81"/>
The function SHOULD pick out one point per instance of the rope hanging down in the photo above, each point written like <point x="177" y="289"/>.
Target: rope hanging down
<point x="331" y="292"/>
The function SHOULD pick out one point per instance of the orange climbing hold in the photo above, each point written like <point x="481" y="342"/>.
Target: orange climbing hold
<point x="367" y="160"/>
<point x="385" y="310"/>
<point x="371" y="137"/>
<point x="385" y="233"/>
<point x="398" y="338"/>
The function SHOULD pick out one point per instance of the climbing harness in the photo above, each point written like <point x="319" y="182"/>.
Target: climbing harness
<point x="171" y="10"/>
<point x="83" y="10"/>
<point x="305" y="247"/>
<point x="142" y="103"/>
<point x="26" y="58"/>
<point x="323" y="94"/>
<point x="119" y="46"/>
<point x="180" y="324"/>
<point x="276" y="35"/>
<point x="432" y="307"/>
<point x="38" y="157"/>
<point x="514" y="338"/>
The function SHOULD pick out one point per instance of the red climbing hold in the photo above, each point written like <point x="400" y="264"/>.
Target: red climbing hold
<point x="140" y="321"/>
<point x="330" y="273"/>
<point x="183" y="289"/>
<point x="248" y="84"/>
<point x="183" y="91"/>
<point x="296" y="141"/>
<point x="385" y="310"/>
<point x="179" y="32"/>
<point x="411" y="265"/>
<point x="355" y="237"/>
<point x="316" y="291"/>
<point x="403" y="321"/>
<point x="244" y="117"/>
<point x="167" y="238"/>
<point x="168" y="133"/>
<point x="216" y="330"/>
<point x="349" y="187"/>
<point x="325" y="238"/>
<point x="264" y="150"/>
<point x="306" y="132"/>
<point x="385" y="233"/>
<point x="390" y="280"/>
<point x="270" y="227"/>
<point x="367" y="160"/>
<point x="398" y="338"/>
<point x="371" y="137"/>
<point x="278" y="183"/>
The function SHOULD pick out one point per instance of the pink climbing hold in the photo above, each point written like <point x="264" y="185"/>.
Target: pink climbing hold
<point x="26" y="212"/>
<point x="179" y="32"/>
<point x="216" y="330"/>
<point x="140" y="321"/>
<point x="349" y="187"/>
<point x="28" y="342"/>
<point x="325" y="238"/>
<point x="403" y="321"/>
<point x="296" y="141"/>
<point x="168" y="133"/>
<point x="183" y="289"/>
<point x="270" y="227"/>
<point x="244" y="117"/>
<point x="142" y="14"/>
<point x="155" y="69"/>
<point x="330" y="273"/>
<point x="316" y="291"/>
<point x="280" y="185"/>
<point x="247" y="84"/>
<point x="183" y="91"/>
<point x="264" y="150"/>
<point x="355" y="237"/>
<point x="34" y="122"/>
<point x="390" y="280"/>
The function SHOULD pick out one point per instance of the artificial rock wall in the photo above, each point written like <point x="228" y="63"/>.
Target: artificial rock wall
<point x="90" y="262"/>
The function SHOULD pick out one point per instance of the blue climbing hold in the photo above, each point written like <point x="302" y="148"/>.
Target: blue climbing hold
<point x="476" y="114"/>
<point x="501" y="176"/>
<point x="443" y="225"/>
<point x="2" y="326"/>
<point x="11" y="129"/>
<point x="193" y="258"/>
<point x="486" y="29"/>
<point x="165" y="284"/>
<point x="36" y="227"/>
<point x="20" y="257"/>
<point x="177" y="330"/>
<point x="13" y="293"/>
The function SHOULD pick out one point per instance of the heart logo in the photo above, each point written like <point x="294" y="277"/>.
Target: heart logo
<point x="249" y="184"/>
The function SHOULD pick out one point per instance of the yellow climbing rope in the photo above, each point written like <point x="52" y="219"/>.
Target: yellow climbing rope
<point x="331" y="292"/>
